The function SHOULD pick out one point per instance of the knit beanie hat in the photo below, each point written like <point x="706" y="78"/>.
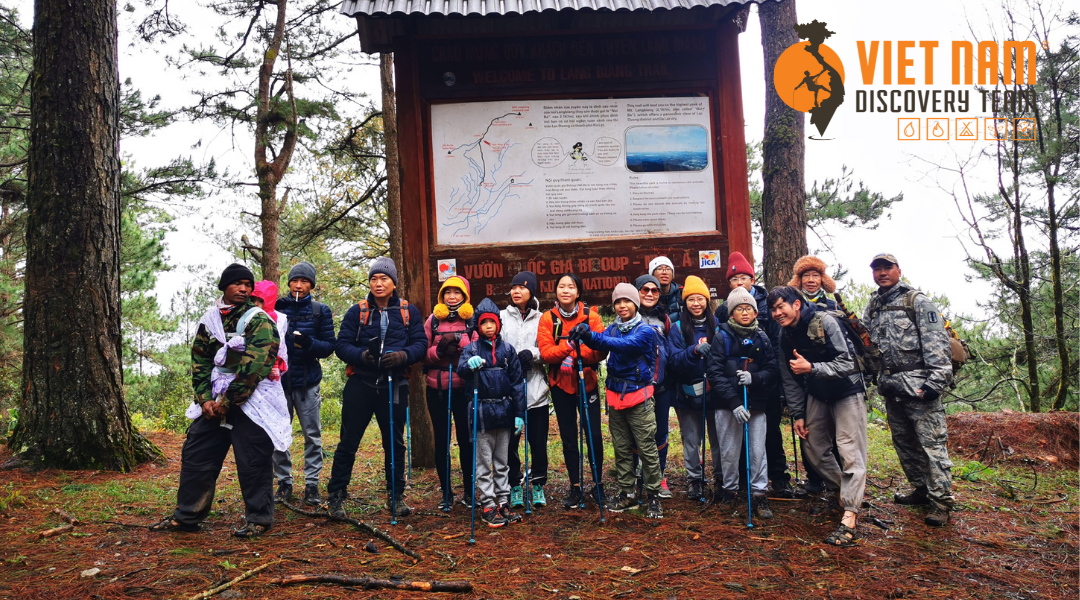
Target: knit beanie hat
<point x="488" y="310"/>
<point x="527" y="279"/>
<point x="642" y="280"/>
<point x="626" y="291"/>
<point x="738" y="265"/>
<point x="694" y="285"/>
<point x="233" y="273"/>
<point x="385" y="266"/>
<point x="739" y="296"/>
<point x="812" y="263"/>
<point x="661" y="261"/>
<point x="304" y="270"/>
<point x="463" y="310"/>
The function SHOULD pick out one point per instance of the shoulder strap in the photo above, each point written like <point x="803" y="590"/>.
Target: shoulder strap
<point x="405" y="312"/>
<point x="245" y="318"/>
<point x="729" y="339"/>
<point x="365" y="312"/>
<point x="316" y="311"/>
<point x="556" y="325"/>
<point x="909" y="306"/>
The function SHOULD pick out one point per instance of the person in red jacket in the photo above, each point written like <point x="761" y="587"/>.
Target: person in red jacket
<point x="561" y="357"/>
<point x="448" y="333"/>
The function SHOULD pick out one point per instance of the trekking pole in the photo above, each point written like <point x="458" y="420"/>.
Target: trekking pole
<point x="795" y="451"/>
<point x="393" y="451"/>
<point x="588" y="429"/>
<point x="746" y="441"/>
<point x="408" y="445"/>
<point x="704" y="449"/>
<point x="525" y="436"/>
<point x="448" y="493"/>
<point x="475" y="415"/>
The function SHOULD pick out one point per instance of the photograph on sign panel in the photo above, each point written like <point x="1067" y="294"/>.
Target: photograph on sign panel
<point x="544" y="170"/>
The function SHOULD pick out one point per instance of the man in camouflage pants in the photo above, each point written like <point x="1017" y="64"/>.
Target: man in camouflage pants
<point x="916" y="367"/>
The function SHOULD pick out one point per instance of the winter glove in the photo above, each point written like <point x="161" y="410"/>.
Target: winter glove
<point x="368" y="357"/>
<point x="741" y="415"/>
<point x="525" y="357"/>
<point x="394" y="360"/>
<point x="445" y="343"/>
<point x="519" y="424"/>
<point x="703" y="348"/>
<point x="930" y="394"/>
<point x="301" y="340"/>
<point x="580" y="333"/>
<point x="743" y="377"/>
<point x="475" y="362"/>
<point x="567" y="366"/>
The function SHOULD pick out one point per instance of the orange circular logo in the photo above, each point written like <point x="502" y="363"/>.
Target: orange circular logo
<point x="802" y="81"/>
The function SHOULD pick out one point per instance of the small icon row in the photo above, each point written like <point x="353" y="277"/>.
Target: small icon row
<point x="967" y="128"/>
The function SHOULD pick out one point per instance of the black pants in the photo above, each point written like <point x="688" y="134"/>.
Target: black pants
<point x="436" y="404"/>
<point x="204" y="452"/>
<point x="566" y="413"/>
<point x="538" y="459"/>
<point x="359" y="402"/>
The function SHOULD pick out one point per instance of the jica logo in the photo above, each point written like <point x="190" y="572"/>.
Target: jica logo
<point x="809" y="76"/>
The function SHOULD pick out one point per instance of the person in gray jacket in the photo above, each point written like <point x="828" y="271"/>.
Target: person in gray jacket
<point x="916" y="368"/>
<point x="826" y="396"/>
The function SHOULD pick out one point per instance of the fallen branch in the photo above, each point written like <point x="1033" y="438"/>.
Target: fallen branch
<point x="371" y="583"/>
<point x="382" y="535"/>
<point x="56" y="530"/>
<point x="66" y="516"/>
<point x="236" y="580"/>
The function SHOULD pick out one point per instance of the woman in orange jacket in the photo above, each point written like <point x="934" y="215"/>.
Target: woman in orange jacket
<point x="561" y="358"/>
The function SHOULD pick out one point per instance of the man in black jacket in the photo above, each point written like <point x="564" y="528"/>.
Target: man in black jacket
<point x="379" y="339"/>
<point x="310" y="338"/>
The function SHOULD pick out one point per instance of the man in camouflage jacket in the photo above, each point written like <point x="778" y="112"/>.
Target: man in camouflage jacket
<point x="222" y="423"/>
<point x="916" y="368"/>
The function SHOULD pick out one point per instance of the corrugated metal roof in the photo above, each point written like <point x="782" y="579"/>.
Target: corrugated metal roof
<point x="382" y="8"/>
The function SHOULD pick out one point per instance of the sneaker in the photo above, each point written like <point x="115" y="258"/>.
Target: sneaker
<point x="596" y="494"/>
<point x="623" y="501"/>
<point x="447" y="502"/>
<point x="761" y="507"/>
<point x="284" y="492"/>
<point x="815" y="488"/>
<point x="694" y="493"/>
<point x="654" y="511"/>
<point x="466" y="500"/>
<point x="665" y="492"/>
<point x="937" y="517"/>
<point x="335" y="504"/>
<point x="311" y="495"/>
<point x="509" y="515"/>
<point x="400" y="508"/>
<point x="574" y="498"/>
<point x="915" y="497"/>
<point x="517" y="497"/>
<point x="538" y="498"/>
<point x="492" y="517"/>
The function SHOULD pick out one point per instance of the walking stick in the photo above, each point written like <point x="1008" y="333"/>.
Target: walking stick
<point x="476" y="413"/>
<point x="393" y="451"/>
<point x="795" y="450"/>
<point x="704" y="449"/>
<point x="588" y="428"/>
<point x="448" y="493"/>
<point x="408" y="445"/>
<point x="525" y="435"/>
<point x="746" y="441"/>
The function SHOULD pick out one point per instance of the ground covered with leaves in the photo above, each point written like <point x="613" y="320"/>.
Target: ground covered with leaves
<point x="1015" y="535"/>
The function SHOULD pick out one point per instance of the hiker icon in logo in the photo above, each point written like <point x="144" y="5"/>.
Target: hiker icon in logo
<point x="821" y="94"/>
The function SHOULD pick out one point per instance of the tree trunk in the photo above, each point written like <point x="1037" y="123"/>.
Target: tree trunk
<point x="72" y="413"/>
<point x="1023" y="281"/>
<point x="783" y="196"/>
<point x="422" y="434"/>
<point x="270" y="257"/>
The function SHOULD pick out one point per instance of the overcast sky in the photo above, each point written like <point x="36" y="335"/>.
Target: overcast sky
<point x="924" y="231"/>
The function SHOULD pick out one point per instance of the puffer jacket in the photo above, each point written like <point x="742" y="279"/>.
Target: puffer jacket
<point x="673" y="300"/>
<point x="732" y="352"/>
<point x="631" y="359"/>
<point x="553" y="351"/>
<point x="659" y="319"/>
<point x="435" y="368"/>
<point x="521" y="334"/>
<point x="305" y="370"/>
<point x="687" y="367"/>
<point x="498" y="382"/>
<point x="354" y="337"/>
<point x="835" y="374"/>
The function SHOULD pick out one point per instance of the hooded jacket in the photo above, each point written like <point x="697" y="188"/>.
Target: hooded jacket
<point x="267" y="291"/>
<point x="835" y="374"/>
<point x="447" y="322"/>
<point x="499" y="385"/>
<point x="553" y="351"/>
<point x="316" y="321"/>
<point x="658" y="317"/>
<point x="631" y="363"/>
<point x="672" y="300"/>
<point x="687" y="367"/>
<point x="354" y="337"/>
<point x="520" y="332"/>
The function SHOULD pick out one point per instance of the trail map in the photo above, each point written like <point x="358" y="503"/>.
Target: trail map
<point x="541" y="170"/>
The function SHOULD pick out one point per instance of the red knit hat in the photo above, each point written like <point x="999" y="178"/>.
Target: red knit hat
<point x="738" y="265"/>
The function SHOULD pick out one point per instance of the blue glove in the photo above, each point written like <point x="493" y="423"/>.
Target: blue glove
<point x="475" y="362"/>
<point x="519" y="424"/>
<point x="580" y="332"/>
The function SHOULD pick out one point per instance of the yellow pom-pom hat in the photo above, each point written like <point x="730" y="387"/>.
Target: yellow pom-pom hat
<point x="464" y="310"/>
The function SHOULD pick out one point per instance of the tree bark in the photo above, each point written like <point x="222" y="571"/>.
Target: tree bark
<point x="422" y="434"/>
<point x="783" y="196"/>
<point x="1023" y="279"/>
<point x="72" y="413"/>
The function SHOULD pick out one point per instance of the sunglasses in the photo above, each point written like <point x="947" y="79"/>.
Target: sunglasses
<point x="650" y="290"/>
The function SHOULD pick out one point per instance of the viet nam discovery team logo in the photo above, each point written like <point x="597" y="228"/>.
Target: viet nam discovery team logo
<point x="809" y="76"/>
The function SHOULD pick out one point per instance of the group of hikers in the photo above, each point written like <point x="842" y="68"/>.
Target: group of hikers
<point x="728" y="370"/>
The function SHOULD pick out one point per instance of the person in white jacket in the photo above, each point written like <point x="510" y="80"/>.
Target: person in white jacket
<point x="520" y="321"/>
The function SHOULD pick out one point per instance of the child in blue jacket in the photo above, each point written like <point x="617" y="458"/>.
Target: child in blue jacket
<point x="492" y="368"/>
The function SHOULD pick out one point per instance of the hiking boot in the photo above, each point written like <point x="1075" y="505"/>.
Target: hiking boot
<point x="937" y="517"/>
<point x="724" y="497"/>
<point x="761" y="507"/>
<point x="335" y="502"/>
<point x="284" y="492"/>
<point x="782" y="490"/>
<point x="538" y="498"/>
<point x="654" y="511"/>
<point x="509" y="515"/>
<point x="492" y="517"/>
<point x="596" y="494"/>
<point x="466" y="499"/>
<point x="623" y="501"/>
<point x="447" y="502"/>
<point x="400" y="508"/>
<point x="826" y="504"/>
<point x="665" y="492"/>
<point x="517" y="497"/>
<point x="815" y="488"/>
<point x="311" y="495"/>
<point x="251" y="530"/>
<point x="916" y="497"/>
<point x="694" y="493"/>
<point x="574" y="498"/>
